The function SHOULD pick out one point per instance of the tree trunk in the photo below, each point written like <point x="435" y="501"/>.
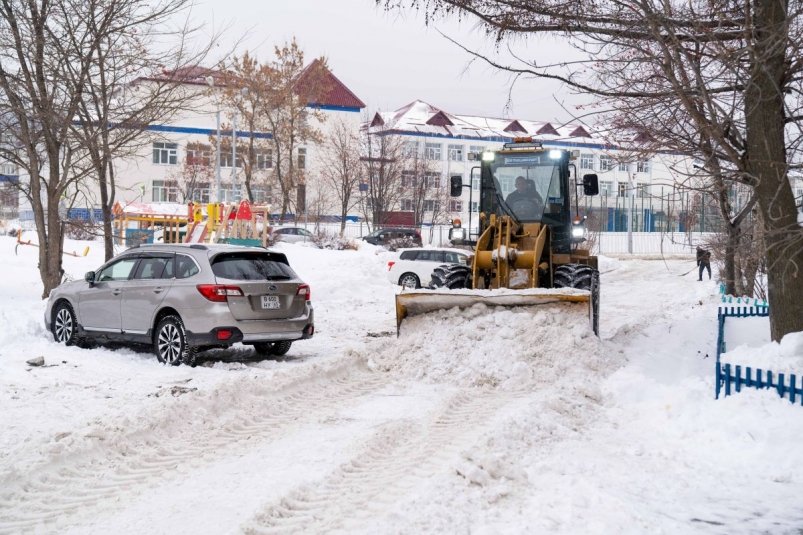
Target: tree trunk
<point x="765" y="122"/>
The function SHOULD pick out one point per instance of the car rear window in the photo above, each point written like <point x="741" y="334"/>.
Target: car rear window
<point x="252" y="266"/>
<point x="408" y="255"/>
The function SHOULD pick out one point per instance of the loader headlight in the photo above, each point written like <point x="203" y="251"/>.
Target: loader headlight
<point x="579" y="232"/>
<point x="488" y="156"/>
<point x="555" y="154"/>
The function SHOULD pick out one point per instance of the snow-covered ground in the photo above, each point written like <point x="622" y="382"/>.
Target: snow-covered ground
<point x="476" y="421"/>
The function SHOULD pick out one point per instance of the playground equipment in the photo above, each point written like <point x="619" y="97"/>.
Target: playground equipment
<point x="137" y="223"/>
<point x="20" y="241"/>
<point x="241" y="223"/>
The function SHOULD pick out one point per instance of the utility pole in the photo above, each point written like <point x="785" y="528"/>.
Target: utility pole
<point x="631" y="191"/>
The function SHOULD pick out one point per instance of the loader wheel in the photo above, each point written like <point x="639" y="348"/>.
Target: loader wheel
<point x="582" y="277"/>
<point x="452" y="276"/>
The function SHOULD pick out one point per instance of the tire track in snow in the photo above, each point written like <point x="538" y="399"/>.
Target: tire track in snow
<point x="58" y="494"/>
<point x="398" y="457"/>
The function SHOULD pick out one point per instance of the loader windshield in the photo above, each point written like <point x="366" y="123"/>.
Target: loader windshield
<point x="529" y="184"/>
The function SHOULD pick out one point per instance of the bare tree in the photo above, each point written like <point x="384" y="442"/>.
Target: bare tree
<point x="726" y="71"/>
<point x="120" y="95"/>
<point x="383" y="161"/>
<point x="45" y="60"/>
<point x="340" y="168"/>
<point x="292" y="91"/>
<point x="196" y="173"/>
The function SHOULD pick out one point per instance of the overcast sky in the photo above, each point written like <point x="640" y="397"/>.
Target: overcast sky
<point x="388" y="59"/>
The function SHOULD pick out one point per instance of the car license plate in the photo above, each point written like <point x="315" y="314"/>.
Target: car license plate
<point x="270" y="301"/>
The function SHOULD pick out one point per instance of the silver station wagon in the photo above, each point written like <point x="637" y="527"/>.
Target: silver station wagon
<point x="182" y="299"/>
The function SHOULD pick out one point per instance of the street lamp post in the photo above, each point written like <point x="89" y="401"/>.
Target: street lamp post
<point x="210" y="81"/>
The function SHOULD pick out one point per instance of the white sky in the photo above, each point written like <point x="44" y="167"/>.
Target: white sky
<point x="390" y="59"/>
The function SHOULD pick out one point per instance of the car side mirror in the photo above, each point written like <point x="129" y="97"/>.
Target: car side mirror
<point x="590" y="184"/>
<point x="89" y="277"/>
<point x="456" y="185"/>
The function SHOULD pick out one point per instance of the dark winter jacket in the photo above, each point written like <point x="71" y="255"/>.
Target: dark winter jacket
<point x="703" y="256"/>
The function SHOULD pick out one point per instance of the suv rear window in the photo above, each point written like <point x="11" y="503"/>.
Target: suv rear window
<point x="408" y="255"/>
<point x="252" y="266"/>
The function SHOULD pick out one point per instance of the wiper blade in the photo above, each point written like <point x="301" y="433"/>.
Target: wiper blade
<point x="278" y="277"/>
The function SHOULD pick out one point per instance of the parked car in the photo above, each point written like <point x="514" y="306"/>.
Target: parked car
<point x="292" y="234"/>
<point x="385" y="236"/>
<point x="414" y="267"/>
<point x="183" y="298"/>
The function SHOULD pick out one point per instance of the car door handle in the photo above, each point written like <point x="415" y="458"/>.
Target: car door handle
<point x="158" y="290"/>
<point x="117" y="291"/>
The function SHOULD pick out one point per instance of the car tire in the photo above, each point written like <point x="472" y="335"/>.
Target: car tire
<point x="65" y="325"/>
<point x="409" y="280"/>
<point x="170" y="342"/>
<point x="273" y="348"/>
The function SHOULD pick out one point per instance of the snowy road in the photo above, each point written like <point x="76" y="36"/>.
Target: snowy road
<point x="484" y="420"/>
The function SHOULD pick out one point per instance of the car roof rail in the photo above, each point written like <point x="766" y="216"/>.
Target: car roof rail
<point x="200" y="246"/>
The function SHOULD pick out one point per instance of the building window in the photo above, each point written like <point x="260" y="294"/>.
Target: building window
<point x="475" y="206"/>
<point x="477" y="150"/>
<point x="455" y="205"/>
<point x="605" y="163"/>
<point x="8" y="169"/>
<point x="643" y="190"/>
<point x="623" y="166"/>
<point x="606" y="188"/>
<point x="456" y="153"/>
<point x="643" y="167"/>
<point x="165" y="191"/>
<point x="198" y="154"/>
<point x="302" y="158"/>
<point x="586" y="161"/>
<point x="407" y="205"/>
<point x="432" y="151"/>
<point x="200" y="193"/>
<point x="264" y="159"/>
<point x="165" y="153"/>
<point x="622" y="189"/>
<point x="408" y="179"/>
<point x="431" y="180"/>
<point x="410" y="148"/>
<point x="431" y="205"/>
<point x="226" y="159"/>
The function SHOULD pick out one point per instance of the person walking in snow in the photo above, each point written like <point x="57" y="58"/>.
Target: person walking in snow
<point x="704" y="262"/>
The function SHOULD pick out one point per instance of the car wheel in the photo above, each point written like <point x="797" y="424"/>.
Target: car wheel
<point x="65" y="325"/>
<point x="170" y="342"/>
<point x="409" y="280"/>
<point x="273" y="348"/>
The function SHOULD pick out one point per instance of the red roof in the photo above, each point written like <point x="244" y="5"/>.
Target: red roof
<point x="336" y="93"/>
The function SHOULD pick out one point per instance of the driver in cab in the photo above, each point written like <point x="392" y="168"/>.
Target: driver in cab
<point x="524" y="200"/>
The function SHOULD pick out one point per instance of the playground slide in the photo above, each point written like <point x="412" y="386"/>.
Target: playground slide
<point x="197" y="233"/>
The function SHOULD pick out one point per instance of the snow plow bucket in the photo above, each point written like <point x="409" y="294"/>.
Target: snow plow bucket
<point x="418" y="302"/>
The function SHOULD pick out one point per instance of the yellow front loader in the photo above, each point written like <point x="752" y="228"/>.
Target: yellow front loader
<point x="527" y="252"/>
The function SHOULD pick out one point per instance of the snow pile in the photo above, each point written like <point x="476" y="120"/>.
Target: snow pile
<point x="508" y="348"/>
<point x="783" y="357"/>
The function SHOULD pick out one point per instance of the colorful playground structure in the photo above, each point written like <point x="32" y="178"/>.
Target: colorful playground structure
<point x="241" y="224"/>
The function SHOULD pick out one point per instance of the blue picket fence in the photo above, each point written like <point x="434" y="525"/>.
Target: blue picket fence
<point x="732" y="378"/>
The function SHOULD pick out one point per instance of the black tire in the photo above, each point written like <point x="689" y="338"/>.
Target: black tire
<point x="170" y="342"/>
<point x="409" y="280"/>
<point x="273" y="348"/>
<point x="64" y="325"/>
<point x="451" y="276"/>
<point x="582" y="277"/>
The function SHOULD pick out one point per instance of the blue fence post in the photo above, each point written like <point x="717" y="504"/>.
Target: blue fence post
<point x="792" y="387"/>
<point x="718" y="381"/>
<point x="748" y="380"/>
<point x="727" y="380"/>
<point x="738" y="378"/>
<point x="781" y="386"/>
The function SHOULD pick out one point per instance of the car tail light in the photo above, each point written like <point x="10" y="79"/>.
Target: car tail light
<point x="303" y="289"/>
<point x="223" y="334"/>
<point x="219" y="293"/>
<point x="390" y="265"/>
